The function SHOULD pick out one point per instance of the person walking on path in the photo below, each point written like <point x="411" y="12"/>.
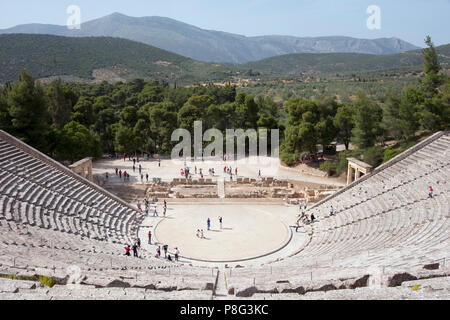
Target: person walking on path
<point x="331" y="211"/>
<point x="177" y="253"/>
<point x="150" y="237"/>
<point x="165" y="248"/>
<point x="220" y="222"/>
<point x="208" y="224"/>
<point x="430" y="195"/>
<point x="139" y="243"/>
<point x="117" y="172"/>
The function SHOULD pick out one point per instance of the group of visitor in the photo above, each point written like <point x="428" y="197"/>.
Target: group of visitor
<point x="166" y="254"/>
<point x="135" y="247"/>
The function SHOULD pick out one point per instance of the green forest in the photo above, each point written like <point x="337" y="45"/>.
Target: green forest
<point x="70" y="121"/>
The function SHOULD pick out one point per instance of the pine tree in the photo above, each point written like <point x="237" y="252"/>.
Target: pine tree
<point x="27" y="106"/>
<point x="60" y="107"/>
<point x="433" y="76"/>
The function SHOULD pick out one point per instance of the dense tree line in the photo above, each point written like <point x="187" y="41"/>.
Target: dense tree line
<point x="70" y="121"/>
<point x="367" y="123"/>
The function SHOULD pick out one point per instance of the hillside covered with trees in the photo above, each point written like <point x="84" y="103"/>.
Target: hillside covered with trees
<point x="46" y="55"/>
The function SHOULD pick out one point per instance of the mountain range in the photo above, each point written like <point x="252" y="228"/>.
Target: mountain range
<point x="116" y="59"/>
<point x="213" y="46"/>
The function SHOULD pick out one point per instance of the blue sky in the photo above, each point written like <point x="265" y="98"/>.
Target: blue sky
<point x="410" y="20"/>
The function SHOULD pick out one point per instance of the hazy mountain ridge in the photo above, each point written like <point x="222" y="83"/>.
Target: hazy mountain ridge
<point x="210" y="45"/>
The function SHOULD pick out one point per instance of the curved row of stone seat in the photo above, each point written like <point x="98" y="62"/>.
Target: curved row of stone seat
<point x="386" y="221"/>
<point x="429" y="159"/>
<point x="29" y="290"/>
<point x="33" y="192"/>
<point x="31" y="250"/>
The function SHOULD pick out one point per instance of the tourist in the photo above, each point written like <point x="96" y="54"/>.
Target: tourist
<point x="236" y="171"/>
<point x="155" y="213"/>
<point x="120" y="174"/>
<point x="159" y="163"/>
<point x="430" y="195"/>
<point x="220" y="222"/>
<point x="208" y="223"/>
<point x="297" y="226"/>
<point x="150" y="237"/>
<point x="165" y="248"/>
<point x="146" y="176"/>
<point x="259" y="174"/>
<point x="134" y="168"/>
<point x="139" y="206"/>
<point x="313" y="219"/>
<point x="135" y="252"/>
<point x="140" y="169"/>
<point x="117" y="171"/>
<point x="195" y="169"/>
<point x="158" y="252"/>
<point x="139" y="243"/>
<point x="169" y="258"/>
<point x="198" y="233"/>
<point x="331" y="211"/>
<point x="127" y="250"/>
<point x="107" y="176"/>
<point x="177" y="253"/>
<point x="134" y="162"/>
